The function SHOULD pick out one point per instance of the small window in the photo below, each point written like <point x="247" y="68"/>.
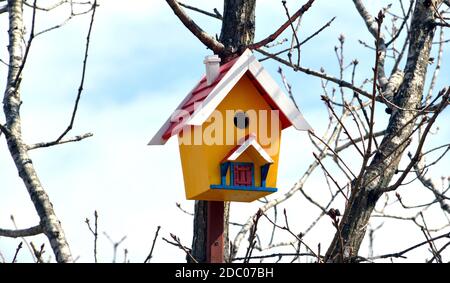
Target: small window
<point x="243" y="175"/>
<point x="241" y="120"/>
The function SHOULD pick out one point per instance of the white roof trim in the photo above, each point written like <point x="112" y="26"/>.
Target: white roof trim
<point x="247" y="62"/>
<point x="250" y="142"/>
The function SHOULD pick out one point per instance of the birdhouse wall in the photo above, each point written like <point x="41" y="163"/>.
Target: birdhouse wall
<point x="201" y="163"/>
<point x="194" y="162"/>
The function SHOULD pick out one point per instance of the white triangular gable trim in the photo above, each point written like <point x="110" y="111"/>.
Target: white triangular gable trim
<point x="251" y="141"/>
<point x="246" y="62"/>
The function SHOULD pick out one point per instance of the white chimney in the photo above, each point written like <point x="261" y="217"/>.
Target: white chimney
<point x="212" y="64"/>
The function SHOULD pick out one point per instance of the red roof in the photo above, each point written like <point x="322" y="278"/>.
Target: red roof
<point x="209" y="97"/>
<point x="200" y="92"/>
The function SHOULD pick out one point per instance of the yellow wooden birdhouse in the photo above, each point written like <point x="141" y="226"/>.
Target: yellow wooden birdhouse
<point x="229" y="131"/>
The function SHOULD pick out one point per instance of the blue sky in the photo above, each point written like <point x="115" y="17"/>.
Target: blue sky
<point x="142" y="62"/>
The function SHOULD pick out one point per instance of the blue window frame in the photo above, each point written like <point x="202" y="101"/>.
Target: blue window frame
<point x="223" y="173"/>
<point x="264" y="172"/>
<point x="224" y="167"/>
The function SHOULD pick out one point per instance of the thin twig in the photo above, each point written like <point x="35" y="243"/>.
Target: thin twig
<point x="80" y="88"/>
<point x="405" y="20"/>
<point x="17" y="252"/>
<point x="94" y="232"/>
<point x="401" y="253"/>
<point x="303" y="42"/>
<point x="183" y="210"/>
<point x="294" y="33"/>
<point x="330" y="176"/>
<point x="23" y="238"/>
<point x="290" y="232"/>
<point x="252" y="236"/>
<point x="283" y="27"/>
<point x="334" y="215"/>
<point x="27" y="50"/>
<point x="287" y="86"/>
<point x="179" y="245"/>
<point x="327" y="102"/>
<point x="276" y="255"/>
<point x="56" y="5"/>
<point x="205" y="38"/>
<point x="335" y="153"/>
<point x="417" y="155"/>
<point x="427" y="235"/>
<point x="150" y="255"/>
<point x="38" y="253"/>
<point x="321" y="75"/>
<point x="115" y="245"/>
<point x="63" y="141"/>
<point x="215" y="15"/>
<point x="368" y="152"/>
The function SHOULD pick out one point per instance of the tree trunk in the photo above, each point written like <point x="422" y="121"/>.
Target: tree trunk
<point x="238" y="31"/>
<point x="238" y="26"/>
<point x="380" y="172"/>
<point x="199" y="237"/>
<point x="18" y="149"/>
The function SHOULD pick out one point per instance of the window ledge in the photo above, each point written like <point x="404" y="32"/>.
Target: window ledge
<point x="243" y="188"/>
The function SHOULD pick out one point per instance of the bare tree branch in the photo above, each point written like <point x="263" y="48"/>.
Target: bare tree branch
<point x="63" y="141"/>
<point x="294" y="34"/>
<point x="4" y="130"/>
<point x="206" y="39"/>
<point x="32" y="231"/>
<point x="321" y="75"/>
<point x="283" y="27"/>
<point x="304" y="41"/>
<point x="346" y="145"/>
<point x="38" y="253"/>
<point x="150" y="255"/>
<point x="447" y="25"/>
<point x="295" y="188"/>
<point x="215" y="15"/>
<point x="50" y="224"/>
<point x="417" y="155"/>
<point x="279" y="255"/>
<point x="429" y="184"/>
<point x="437" y="69"/>
<point x="80" y="88"/>
<point x="405" y="20"/>
<point x="27" y="49"/>
<point x="94" y="232"/>
<point x="297" y="237"/>
<point x="182" y="247"/>
<point x="368" y="153"/>
<point x="17" y="252"/>
<point x="330" y="176"/>
<point x="372" y="27"/>
<point x="57" y="4"/>
<point x="382" y="168"/>
<point x="401" y="253"/>
<point x="115" y="245"/>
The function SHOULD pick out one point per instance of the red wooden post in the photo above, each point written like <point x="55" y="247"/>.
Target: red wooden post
<point x="214" y="233"/>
